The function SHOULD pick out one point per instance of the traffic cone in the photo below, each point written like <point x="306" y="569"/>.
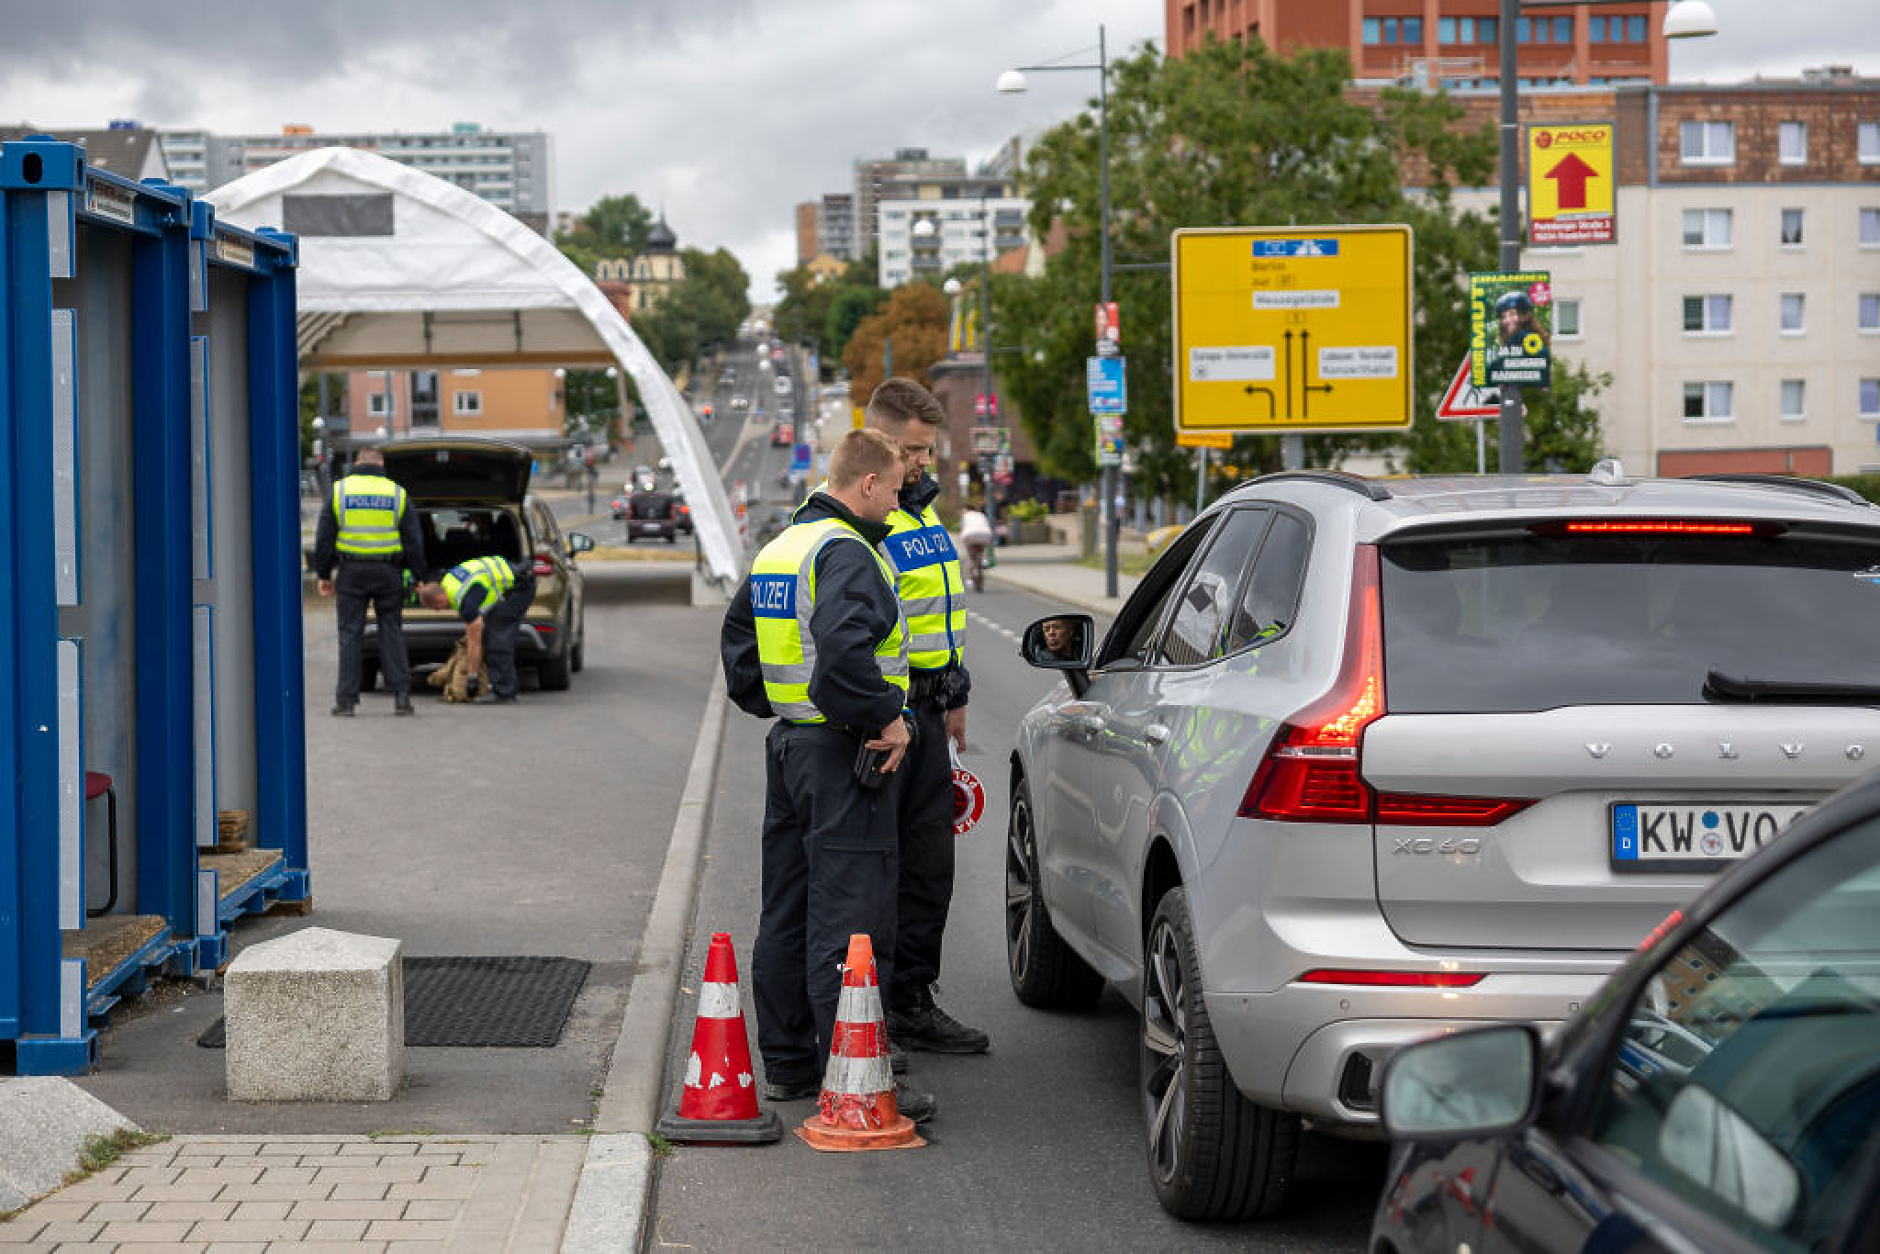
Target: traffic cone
<point x="720" y="1101"/>
<point x="857" y="1109"/>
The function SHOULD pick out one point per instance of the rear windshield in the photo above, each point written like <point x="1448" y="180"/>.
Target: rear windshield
<point x="650" y="505"/>
<point x="1536" y="622"/>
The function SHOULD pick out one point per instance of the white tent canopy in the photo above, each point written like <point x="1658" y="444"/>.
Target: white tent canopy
<point x="399" y="269"/>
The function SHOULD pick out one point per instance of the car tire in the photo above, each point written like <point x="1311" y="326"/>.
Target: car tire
<point x="553" y="673"/>
<point x="1212" y="1154"/>
<point x="577" y="655"/>
<point x="1045" y="971"/>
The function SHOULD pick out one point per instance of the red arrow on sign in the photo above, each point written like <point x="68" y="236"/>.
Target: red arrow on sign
<point x="1462" y="400"/>
<point x="1570" y="175"/>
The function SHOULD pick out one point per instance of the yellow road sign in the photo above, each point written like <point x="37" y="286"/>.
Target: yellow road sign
<point x="1292" y="329"/>
<point x="1204" y="439"/>
<point x="1570" y="184"/>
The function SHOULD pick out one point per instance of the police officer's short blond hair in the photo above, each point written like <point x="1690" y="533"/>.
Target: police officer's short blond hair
<point x="861" y="453"/>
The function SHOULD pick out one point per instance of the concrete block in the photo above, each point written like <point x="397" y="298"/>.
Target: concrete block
<point x="44" y="1121"/>
<point x="316" y="1016"/>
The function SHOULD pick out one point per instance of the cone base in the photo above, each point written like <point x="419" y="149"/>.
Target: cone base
<point x="762" y="1129"/>
<point x="898" y="1135"/>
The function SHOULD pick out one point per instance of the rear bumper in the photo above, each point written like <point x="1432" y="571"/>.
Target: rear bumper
<point x="432" y="641"/>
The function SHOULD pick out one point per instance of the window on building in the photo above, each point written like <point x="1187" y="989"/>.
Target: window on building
<point x="1869" y="142"/>
<point x="1870" y="311"/>
<point x="1791" y="227"/>
<point x="378" y="405"/>
<point x="1373" y="30"/>
<point x="1524" y="30"/>
<point x="1634" y="30"/>
<point x="1708" y="402"/>
<point x="1563" y="30"/>
<point x="1413" y="30"/>
<point x="1567" y="319"/>
<point x="1870" y="398"/>
<point x="467" y="403"/>
<point x="1794" y="309"/>
<point x="1596" y="30"/>
<point x="1445" y="30"/>
<point x="1707" y="143"/>
<point x="1794" y="392"/>
<point x="1706" y="228"/>
<point x="1792" y="143"/>
<point x="1487" y="30"/>
<point x="1706" y="315"/>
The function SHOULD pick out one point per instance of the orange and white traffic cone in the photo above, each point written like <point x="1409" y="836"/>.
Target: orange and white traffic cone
<point x="857" y="1109"/>
<point x="720" y="1101"/>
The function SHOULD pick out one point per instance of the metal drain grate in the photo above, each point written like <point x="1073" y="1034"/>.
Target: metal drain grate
<point x="478" y="1002"/>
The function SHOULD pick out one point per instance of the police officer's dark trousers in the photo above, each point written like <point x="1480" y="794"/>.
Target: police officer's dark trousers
<point x="380" y="582"/>
<point x="501" y="622"/>
<point x="829" y="864"/>
<point x="926" y="880"/>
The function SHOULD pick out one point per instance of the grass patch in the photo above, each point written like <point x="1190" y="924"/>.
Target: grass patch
<point x="661" y="1146"/>
<point x="1134" y="564"/>
<point x="380" y="1136"/>
<point x="102" y="1150"/>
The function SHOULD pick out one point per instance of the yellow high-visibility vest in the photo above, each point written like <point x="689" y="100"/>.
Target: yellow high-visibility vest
<point x="928" y="585"/>
<point x="783" y="596"/>
<point x="491" y="573"/>
<point x="368" y="509"/>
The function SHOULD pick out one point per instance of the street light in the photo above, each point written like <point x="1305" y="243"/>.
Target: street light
<point x="1684" y="19"/>
<point x="1013" y="82"/>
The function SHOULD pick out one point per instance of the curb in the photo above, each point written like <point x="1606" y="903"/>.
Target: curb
<point x="610" y="1202"/>
<point x="1104" y="606"/>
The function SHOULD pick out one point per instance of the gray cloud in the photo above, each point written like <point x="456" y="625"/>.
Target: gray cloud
<point x="727" y="112"/>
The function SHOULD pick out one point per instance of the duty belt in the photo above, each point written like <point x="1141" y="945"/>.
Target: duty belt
<point x="367" y="557"/>
<point x="927" y="685"/>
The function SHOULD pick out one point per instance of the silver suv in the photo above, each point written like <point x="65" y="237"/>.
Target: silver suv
<point x="1362" y="761"/>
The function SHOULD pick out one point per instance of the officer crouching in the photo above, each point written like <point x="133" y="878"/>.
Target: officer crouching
<point x="815" y="637"/>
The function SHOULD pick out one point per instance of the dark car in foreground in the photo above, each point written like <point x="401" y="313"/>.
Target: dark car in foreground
<point x="1720" y="1092"/>
<point x="473" y="500"/>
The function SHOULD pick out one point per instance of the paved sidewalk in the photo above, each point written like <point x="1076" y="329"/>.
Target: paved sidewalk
<point x="400" y="1191"/>
<point x="1053" y="571"/>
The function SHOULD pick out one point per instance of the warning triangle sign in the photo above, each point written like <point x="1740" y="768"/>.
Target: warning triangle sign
<point x="1463" y="401"/>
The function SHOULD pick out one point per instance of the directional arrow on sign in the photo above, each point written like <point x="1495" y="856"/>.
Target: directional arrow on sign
<point x="1570" y="175"/>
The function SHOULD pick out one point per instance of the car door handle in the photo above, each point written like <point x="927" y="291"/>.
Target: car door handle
<point x="1155" y="733"/>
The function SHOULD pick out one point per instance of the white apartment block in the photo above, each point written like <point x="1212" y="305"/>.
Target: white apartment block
<point x="960" y="234"/>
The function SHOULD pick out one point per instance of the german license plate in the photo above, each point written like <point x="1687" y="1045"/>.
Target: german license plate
<point x="1662" y="836"/>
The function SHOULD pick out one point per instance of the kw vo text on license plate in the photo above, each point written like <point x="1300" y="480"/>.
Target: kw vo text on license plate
<point x="1660" y="836"/>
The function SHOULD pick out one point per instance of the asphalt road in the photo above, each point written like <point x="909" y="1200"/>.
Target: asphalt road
<point x="538" y="829"/>
<point x="1037" y="1145"/>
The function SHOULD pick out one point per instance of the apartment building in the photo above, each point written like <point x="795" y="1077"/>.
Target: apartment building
<point x="886" y="178"/>
<point x="835" y="226"/>
<point x="960" y="232"/>
<point x="1454" y="43"/>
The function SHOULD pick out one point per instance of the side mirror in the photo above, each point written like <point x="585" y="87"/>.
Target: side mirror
<point x="579" y="542"/>
<point x="1470" y="1084"/>
<point x="1063" y="642"/>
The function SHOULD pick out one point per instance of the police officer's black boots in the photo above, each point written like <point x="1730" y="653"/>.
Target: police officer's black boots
<point x="401" y="705"/>
<point x="930" y="1028"/>
<point x="342" y="709"/>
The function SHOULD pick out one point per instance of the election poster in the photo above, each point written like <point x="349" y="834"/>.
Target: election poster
<point x="1511" y="329"/>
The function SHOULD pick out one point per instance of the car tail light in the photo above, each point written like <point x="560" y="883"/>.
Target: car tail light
<point x="1311" y="772"/>
<point x="1655" y="527"/>
<point x="541" y="566"/>
<point x="1393" y="979"/>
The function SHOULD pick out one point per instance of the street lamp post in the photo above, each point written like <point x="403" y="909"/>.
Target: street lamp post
<point x="1011" y="81"/>
<point x="1684" y="19"/>
<point x="991" y="414"/>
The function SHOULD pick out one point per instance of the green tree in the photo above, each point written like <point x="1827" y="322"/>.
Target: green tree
<point x="702" y="309"/>
<point x="1231" y="135"/>
<point x="803" y="313"/>
<point x="916" y="319"/>
<point x="848" y="307"/>
<point x="614" y="226"/>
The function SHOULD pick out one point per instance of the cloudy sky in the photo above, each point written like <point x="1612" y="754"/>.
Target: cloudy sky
<point x="726" y="112"/>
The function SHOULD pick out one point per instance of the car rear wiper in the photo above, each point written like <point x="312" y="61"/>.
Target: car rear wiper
<point x="1721" y="687"/>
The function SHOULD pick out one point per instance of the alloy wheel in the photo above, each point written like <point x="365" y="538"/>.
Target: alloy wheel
<point x="1164" y="1050"/>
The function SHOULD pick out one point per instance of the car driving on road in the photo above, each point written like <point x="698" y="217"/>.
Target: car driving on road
<point x="1359" y="762"/>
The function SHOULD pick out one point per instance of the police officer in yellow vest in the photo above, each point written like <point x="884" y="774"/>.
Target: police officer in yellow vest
<point x="931" y="590"/>
<point x="491" y="596"/>
<point x="369" y="530"/>
<point x="815" y="637"/>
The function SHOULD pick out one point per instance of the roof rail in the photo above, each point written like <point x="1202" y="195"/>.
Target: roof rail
<point x="1814" y="487"/>
<point x="1336" y="478"/>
